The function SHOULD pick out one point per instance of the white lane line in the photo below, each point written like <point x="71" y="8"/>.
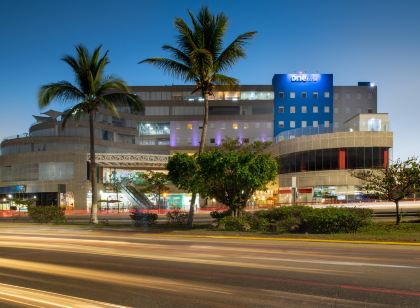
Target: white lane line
<point x="332" y="262"/>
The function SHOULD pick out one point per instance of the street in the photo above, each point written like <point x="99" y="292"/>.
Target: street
<point x="73" y="266"/>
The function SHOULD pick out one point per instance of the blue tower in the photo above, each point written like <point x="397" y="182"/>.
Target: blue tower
<point x="303" y="100"/>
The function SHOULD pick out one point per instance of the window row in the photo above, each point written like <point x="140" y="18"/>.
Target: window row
<point x="303" y="94"/>
<point x="292" y="124"/>
<point x="222" y="125"/>
<point x="304" y="109"/>
<point x="329" y="159"/>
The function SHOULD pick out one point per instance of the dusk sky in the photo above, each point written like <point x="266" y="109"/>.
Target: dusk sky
<point x="377" y="41"/>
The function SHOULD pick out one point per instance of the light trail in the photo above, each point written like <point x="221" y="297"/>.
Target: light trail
<point x="43" y="299"/>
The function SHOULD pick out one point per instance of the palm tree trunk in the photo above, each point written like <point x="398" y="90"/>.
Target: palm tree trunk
<point x="191" y="212"/>
<point x="397" y="212"/>
<point x="94" y="206"/>
<point x="205" y="123"/>
<point x="200" y="150"/>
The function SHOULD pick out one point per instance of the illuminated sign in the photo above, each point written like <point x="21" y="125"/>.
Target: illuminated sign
<point x="304" y="77"/>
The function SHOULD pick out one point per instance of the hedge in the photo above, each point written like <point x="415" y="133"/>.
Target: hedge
<point x="300" y="219"/>
<point x="46" y="214"/>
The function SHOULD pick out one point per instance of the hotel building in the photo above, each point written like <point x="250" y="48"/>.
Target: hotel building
<point x="319" y="131"/>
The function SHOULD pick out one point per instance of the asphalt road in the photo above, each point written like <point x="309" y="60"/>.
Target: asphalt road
<point x="45" y="266"/>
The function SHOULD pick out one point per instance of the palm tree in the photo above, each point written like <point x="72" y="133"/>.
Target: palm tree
<point x="200" y="58"/>
<point x="92" y="90"/>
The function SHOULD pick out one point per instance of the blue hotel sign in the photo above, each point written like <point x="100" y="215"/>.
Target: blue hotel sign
<point x="304" y="77"/>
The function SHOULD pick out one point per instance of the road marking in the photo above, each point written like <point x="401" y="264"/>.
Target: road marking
<point x="332" y="262"/>
<point x="379" y="290"/>
<point x="287" y="239"/>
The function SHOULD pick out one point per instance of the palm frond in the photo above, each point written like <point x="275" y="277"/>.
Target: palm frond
<point x="171" y="67"/>
<point x="126" y="99"/>
<point x="73" y="113"/>
<point x="224" y="80"/>
<point x="177" y="54"/>
<point x="63" y="91"/>
<point x="233" y="52"/>
<point x="109" y="105"/>
<point x="202" y="63"/>
<point x="187" y="39"/>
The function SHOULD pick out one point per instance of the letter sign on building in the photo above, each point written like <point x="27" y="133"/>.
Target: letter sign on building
<point x="304" y="77"/>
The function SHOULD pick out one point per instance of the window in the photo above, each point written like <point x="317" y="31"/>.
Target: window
<point x="235" y="125"/>
<point x="222" y="125"/>
<point x="327" y="94"/>
<point x="257" y="125"/>
<point x="304" y="94"/>
<point x="281" y="109"/>
<point x="374" y="125"/>
<point x="370" y="110"/>
<point x="281" y="95"/>
<point x="189" y="125"/>
<point x="281" y="124"/>
<point x="327" y="109"/>
<point x="326" y="123"/>
<point x="315" y="123"/>
<point x="269" y="125"/>
<point x="292" y="94"/>
<point x="303" y="124"/>
<point x="292" y="124"/>
<point x="246" y="125"/>
<point x="347" y="109"/>
<point x="292" y="109"/>
<point x="336" y="110"/>
<point x="315" y="109"/>
<point x="304" y="109"/>
<point x="314" y="94"/>
<point x="212" y="140"/>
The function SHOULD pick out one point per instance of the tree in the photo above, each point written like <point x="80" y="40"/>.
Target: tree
<point x="201" y="59"/>
<point x="183" y="173"/>
<point x="92" y="90"/>
<point x="232" y="175"/>
<point x="156" y="184"/>
<point x="394" y="183"/>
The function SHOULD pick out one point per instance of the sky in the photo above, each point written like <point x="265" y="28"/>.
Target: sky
<point x="377" y="41"/>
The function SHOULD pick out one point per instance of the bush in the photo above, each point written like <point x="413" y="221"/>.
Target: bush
<point x="335" y="220"/>
<point x="284" y="213"/>
<point x="307" y="219"/>
<point x="218" y="215"/>
<point x="177" y="217"/>
<point x="141" y="218"/>
<point x="46" y="214"/>
<point x="246" y="222"/>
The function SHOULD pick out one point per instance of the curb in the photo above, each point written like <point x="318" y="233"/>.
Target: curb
<point x="288" y="239"/>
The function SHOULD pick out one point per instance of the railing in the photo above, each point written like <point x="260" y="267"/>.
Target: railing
<point x="310" y="130"/>
<point x="23" y="135"/>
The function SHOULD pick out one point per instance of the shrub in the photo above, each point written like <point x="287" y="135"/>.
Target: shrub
<point x="335" y="220"/>
<point x="307" y="219"/>
<point x="177" y="217"/>
<point x="46" y="214"/>
<point x="218" y="215"/>
<point x="284" y="213"/>
<point x="246" y="222"/>
<point x="141" y="218"/>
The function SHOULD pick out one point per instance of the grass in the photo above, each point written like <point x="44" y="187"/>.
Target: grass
<point x="376" y="231"/>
